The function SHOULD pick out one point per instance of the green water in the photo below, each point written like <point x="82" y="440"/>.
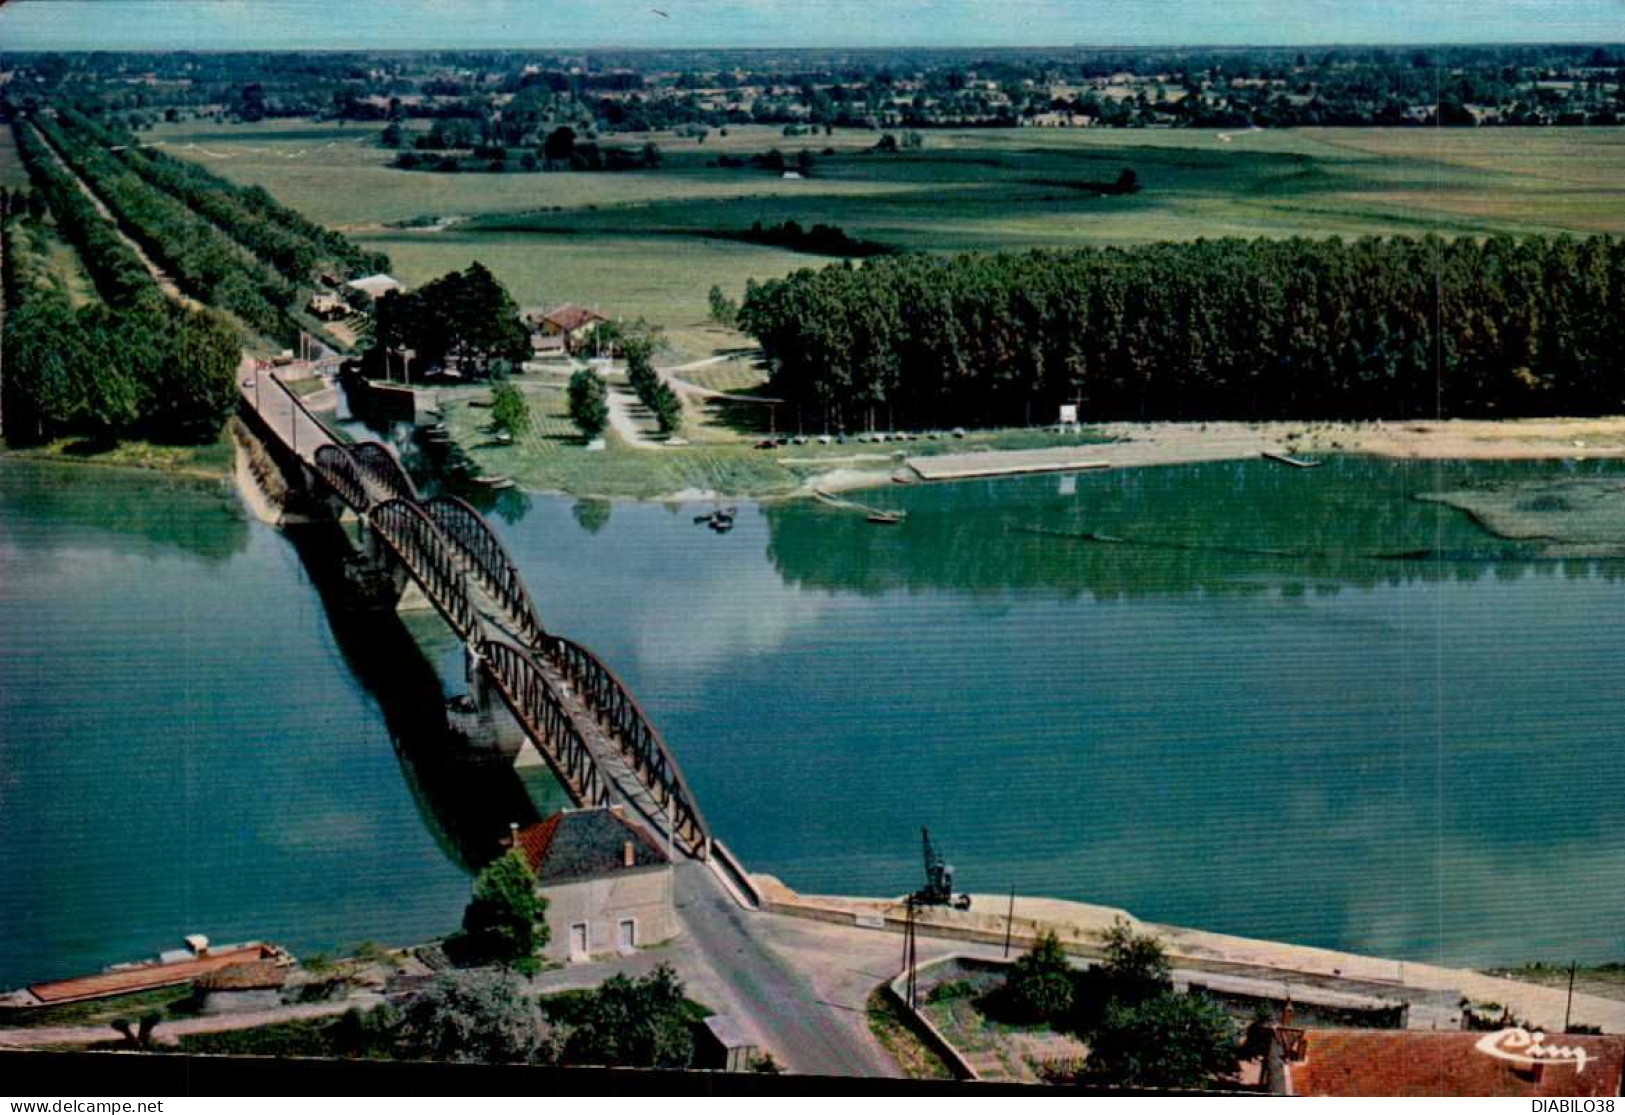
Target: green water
<point x="1250" y="714"/>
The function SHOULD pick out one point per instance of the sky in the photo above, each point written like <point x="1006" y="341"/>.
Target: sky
<point x="542" y="24"/>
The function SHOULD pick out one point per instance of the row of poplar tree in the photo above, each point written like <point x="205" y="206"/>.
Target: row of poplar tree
<point x="1246" y="329"/>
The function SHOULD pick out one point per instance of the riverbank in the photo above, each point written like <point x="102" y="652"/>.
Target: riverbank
<point x="213" y="461"/>
<point x="717" y="460"/>
<point x="1144" y="444"/>
<point x="1436" y="993"/>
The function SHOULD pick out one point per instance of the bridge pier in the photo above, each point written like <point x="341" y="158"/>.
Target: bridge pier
<point x="489" y="726"/>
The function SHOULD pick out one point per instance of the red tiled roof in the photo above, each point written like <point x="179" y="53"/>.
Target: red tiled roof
<point x="256" y="975"/>
<point x="143" y="977"/>
<point x="584" y="843"/>
<point x="570" y="317"/>
<point x="1422" y="1063"/>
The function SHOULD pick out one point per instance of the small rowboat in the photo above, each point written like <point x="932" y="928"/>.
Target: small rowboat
<point x="1295" y="462"/>
<point x="886" y="518"/>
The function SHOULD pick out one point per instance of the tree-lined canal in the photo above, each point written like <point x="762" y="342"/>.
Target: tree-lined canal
<point x="1300" y="705"/>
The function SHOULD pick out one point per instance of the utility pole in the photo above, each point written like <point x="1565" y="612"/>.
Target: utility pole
<point x="911" y="958"/>
<point x="1009" y="921"/>
<point x="1568" y="1010"/>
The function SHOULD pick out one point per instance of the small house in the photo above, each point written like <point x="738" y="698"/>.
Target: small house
<point x="256" y="985"/>
<point x="573" y="323"/>
<point x="727" y="1045"/>
<point x="327" y="306"/>
<point x="606" y="880"/>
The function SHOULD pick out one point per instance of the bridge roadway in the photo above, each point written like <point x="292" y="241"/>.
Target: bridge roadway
<point x="486" y="604"/>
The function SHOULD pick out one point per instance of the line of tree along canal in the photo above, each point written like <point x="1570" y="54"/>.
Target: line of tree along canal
<point x="282" y="237"/>
<point x="1373" y="328"/>
<point x="133" y="363"/>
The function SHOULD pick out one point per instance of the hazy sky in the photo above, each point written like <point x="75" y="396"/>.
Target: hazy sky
<point x="406" y="24"/>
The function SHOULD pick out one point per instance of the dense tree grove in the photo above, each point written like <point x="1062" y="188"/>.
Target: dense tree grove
<point x="136" y="364"/>
<point x="204" y="261"/>
<point x="116" y="269"/>
<point x="464" y="317"/>
<point x="1297" y="328"/>
<point x="285" y="239"/>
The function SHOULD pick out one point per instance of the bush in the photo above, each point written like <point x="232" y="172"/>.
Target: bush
<point x="1171" y="1041"/>
<point x="1039" y="987"/>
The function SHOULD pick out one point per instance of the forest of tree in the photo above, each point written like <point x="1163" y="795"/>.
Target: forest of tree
<point x="512" y="100"/>
<point x="135" y="364"/>
<point x="1374" y="328"/>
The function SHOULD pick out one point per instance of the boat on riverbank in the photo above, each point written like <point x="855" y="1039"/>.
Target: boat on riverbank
<point x="168" y="969"/>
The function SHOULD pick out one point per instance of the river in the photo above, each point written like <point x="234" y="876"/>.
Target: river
<point x="1289" y="704"/>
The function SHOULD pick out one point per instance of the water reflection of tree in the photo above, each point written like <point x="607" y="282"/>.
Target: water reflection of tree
<point x="592" y="514"/>
<point x="1233" y="527"/>
<point x="160" y="512"/>
<point x="466" y="804"/>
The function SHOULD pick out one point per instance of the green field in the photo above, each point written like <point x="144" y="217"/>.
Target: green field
<point x="635" y="243"/>
<point x="13" y="175"/>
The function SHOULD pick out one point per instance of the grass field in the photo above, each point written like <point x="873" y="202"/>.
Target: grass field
<point x="13" y="175"/>
<point x="720" y="458"/>
<point x="635" y="243"/>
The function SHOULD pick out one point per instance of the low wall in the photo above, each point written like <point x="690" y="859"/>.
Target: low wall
<point x="922" y="1026"/>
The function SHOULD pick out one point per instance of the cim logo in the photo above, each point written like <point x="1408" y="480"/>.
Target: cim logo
<point x="1525" y="1048"/>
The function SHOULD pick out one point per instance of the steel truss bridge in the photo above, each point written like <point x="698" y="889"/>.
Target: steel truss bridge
<point x="580" y="716"/>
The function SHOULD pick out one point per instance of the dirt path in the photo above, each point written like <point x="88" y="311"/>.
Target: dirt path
<point x="624" y="422"/>
<point x="159" y="275"/>
<point x="35" y="1037"/>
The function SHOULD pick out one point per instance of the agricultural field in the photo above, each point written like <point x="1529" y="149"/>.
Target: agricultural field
<point x="641" y="243"/>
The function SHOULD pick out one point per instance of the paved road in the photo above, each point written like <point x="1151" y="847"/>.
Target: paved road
<point x="805" y="1032"/>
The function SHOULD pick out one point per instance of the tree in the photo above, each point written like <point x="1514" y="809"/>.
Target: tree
<point x="589" y="403"/>
<point x="1171" y="1041"/>
<point x="724" y="310"/>
<point x="510" y="413"/>
<point x="559" y="146"/>
<point x="1136" y="965"/>
<point x="392" y="136"/>
<point x="634" y="1023"/>
<point x="667" y="408"/>
<point x="483" y="1017"/>
<point x="506" y="920"/>
<point x="1039" y="986"/>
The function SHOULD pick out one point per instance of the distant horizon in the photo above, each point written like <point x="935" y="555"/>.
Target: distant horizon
<point x="142" y="26"/>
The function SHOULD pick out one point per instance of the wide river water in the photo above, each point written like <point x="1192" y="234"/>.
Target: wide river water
<point x="1290" y="704"/>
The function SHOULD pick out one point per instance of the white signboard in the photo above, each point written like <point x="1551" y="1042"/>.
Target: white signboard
<point x="1069" y="414"/>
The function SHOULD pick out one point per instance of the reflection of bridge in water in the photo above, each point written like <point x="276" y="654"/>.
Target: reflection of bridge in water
<point x="580" y="717"/>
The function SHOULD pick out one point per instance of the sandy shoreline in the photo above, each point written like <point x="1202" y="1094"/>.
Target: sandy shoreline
<point x="1138" y="445"/>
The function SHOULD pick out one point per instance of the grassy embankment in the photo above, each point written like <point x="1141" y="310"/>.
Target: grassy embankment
<point x="720" y="457"/>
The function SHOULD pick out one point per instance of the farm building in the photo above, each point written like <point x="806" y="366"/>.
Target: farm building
<point x="606" y="880"/>
<point x="376" y="286"/>
<point x="573" y="323"/>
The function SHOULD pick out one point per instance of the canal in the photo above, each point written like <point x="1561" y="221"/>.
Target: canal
<point x="1292" y="704"/>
